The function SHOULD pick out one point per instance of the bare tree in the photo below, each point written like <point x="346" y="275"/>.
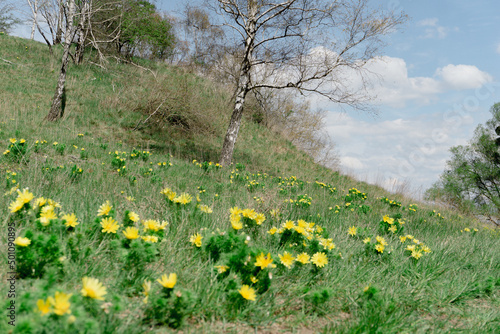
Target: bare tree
<point x="57" y="107"/>
<point x="310" y="46"/>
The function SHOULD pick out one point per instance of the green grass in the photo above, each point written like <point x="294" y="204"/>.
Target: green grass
<point x="455" y="287"/>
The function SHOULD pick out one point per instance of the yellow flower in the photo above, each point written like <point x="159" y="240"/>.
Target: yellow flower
<point x="393" y="228"/>
<point x="109" y="225"/>
<point x="388" y="220"/>
<point x="150" y="238"/>
<point x="416" y="254"/>
<point x="40" y="201"/>
<point x="402" y="239"/>
<point x="380" y="248"/>
<point x="183" y="199"/>
<point x="93" y="288"/>
<point x="289" y="224"/>
<point x="260" y="218"/>
<point x="205" y="208"/>
<point x="61" y="303"/>
<point x="236" y="222"/>
<point x="319" y="259"/>
<point x="286" y="259"/>
<point x="151" y="225"/>
<point x="235" y="211"/>
<point x="133" y="216"/>
<point x="43" y="306"/>
<point x="131" y="233"/>
<point x="71" y="220"/>
<point x="352" y="231"/>
<point x="426" y="249"/>
<point x="13" y="140"/>
<point x="147" y="287"/>
<point x="381" y="241"/>
<point x="16" y="206"/>
<point x="410" y="248"/>
<point x="247" y="292"/>
<point x="303" y="258"/>
<point x="23" y="242"/>
<point x="327" y="243"/>
<point x="47" y="215"/>
<point x="168" y="281"/>
<point x="25" y="196"/>
<point x="367" y="240"/>
<point x="264" y="261"/>
<point x="222" y="268"/>
<point x="195" y="239"/>
<point x="272" y="231"/>
<point x="104" y="209"/>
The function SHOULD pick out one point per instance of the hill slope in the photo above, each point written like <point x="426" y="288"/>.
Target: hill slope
<point x="273" y="244"/>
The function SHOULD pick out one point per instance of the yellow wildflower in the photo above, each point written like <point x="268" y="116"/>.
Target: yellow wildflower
<point x="61" y="303"/>
<point x="92" y="288"/>
<point x="71" y="220"/>
<point x="168" y="281"/>
<point x="303" y="258"/>
<point x="195" y="239"/>
<point x="109" y="225"/>
<point x="352" y="231"/>
<point x="22" y="242"/>
<point x="104" y="209"/>
<point x="247" y="292"/>
<point x="264" y="261"/>
<point x="286" y="259"/>
<point x="319" y="259"/>
<point x="131" y="233"/>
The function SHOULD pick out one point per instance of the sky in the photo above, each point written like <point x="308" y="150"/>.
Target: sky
<point x="437" y="78"/>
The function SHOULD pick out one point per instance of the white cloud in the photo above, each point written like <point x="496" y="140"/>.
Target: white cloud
<point x="460" y="77"/>
<point x="433" y="30"/>
<point x="392" y="152"/>
<point x="351" y="163"/>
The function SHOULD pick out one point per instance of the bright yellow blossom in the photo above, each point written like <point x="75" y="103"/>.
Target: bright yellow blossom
<point x="92" y="288"/>
<point x="109" y="225"/>
<point x="168" y="281"/>
<point x="71" y="220"/>
<point x="352" y="231"/>
<point x="303" y="258"/>
<point x="264" y="261"/>
<point x="319" y="259"/>
<point x="131" y="233"/>
<point x="22" y="242"/>
<point x="61" y="303"/>
<point x="286" y="259"/>
<point x="195" y="239"/>
<point x="104" y="209"/>
<point x="247" y="292"/>
<point x="43" y="306"/>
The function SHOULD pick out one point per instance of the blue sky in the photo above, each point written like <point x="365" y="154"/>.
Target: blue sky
<point x="438" y="76"/>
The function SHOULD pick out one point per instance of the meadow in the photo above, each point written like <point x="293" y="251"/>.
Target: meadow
<point x="127" y="226"/>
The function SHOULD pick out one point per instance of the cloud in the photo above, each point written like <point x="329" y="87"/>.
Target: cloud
<point x="433" y="30"/>
<point x="392" y="152"/>
<point x="461" y="77"/>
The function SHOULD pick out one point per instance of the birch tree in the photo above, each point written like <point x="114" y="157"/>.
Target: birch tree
<point x="310" y="46"/>
<point x="57" y="107"/>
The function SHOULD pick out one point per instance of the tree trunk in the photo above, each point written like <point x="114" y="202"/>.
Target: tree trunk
<point x="226" y="154"/>
<point x="80" y="47"/>
<point x="243" y="88"/>
<point x="60" y="22"/>
<point x="34" y="10"/>
<point x="58" y="102"/>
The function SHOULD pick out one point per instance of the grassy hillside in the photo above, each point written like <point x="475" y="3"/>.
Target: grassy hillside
<point x="272" y="244"/>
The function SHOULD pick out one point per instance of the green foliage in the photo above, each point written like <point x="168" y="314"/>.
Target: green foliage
<point x="472" y="175"/>
<point x="43" y="252"/>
